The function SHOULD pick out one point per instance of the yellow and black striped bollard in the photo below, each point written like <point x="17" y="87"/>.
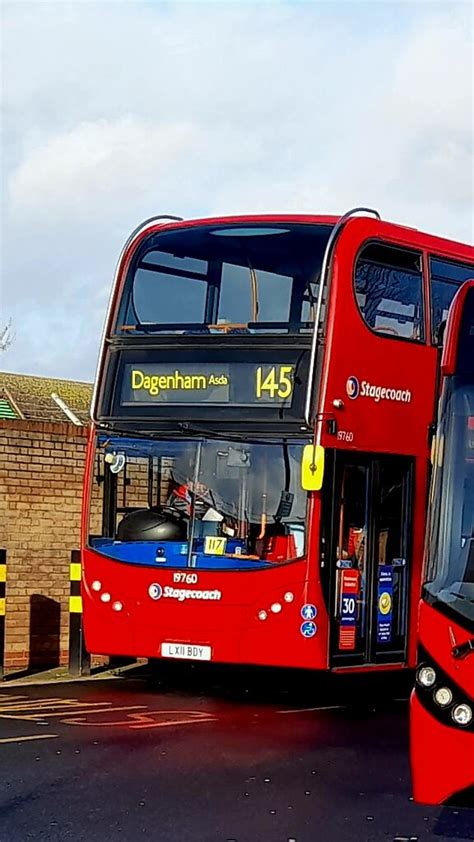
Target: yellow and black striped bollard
<point x="3" y="600"/>
<point x="79" y="659"/>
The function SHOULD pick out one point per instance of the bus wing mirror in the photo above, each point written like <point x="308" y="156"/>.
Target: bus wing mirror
<point x="115" y="461"/>
<point x="312" y="467"/>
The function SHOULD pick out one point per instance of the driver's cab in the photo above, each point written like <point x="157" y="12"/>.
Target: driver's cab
<point x="201" y="503"/>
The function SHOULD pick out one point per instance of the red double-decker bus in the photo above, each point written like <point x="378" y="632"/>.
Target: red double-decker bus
<point x="442" y="704"/>
<point x="257" y="467"/>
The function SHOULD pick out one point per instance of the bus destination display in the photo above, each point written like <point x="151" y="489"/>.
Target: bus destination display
<point x="240" y="384"/>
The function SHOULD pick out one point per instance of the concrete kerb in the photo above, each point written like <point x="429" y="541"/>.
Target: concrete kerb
<point x="62" y="676"/>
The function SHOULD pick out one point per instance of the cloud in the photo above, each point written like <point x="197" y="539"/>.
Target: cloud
<point x="115" y="112"/>
<point x="95" y="167"/>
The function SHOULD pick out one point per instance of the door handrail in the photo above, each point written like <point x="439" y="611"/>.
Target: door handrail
<point x="319" y="304"/>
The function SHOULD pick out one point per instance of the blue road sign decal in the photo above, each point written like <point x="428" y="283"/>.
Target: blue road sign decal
<point x="308" y="629"/>
<point x="309" y="611"/>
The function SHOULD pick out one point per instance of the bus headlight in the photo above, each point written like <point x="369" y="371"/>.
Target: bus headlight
<point x="462" y="714"/>
<point x="443" y="696"/>
<point x="426" y="676"/>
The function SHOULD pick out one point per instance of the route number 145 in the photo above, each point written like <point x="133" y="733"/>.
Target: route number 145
<point x="274" y="383"/>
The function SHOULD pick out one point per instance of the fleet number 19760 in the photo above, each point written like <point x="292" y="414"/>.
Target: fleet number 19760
<point x="185" y="578"/>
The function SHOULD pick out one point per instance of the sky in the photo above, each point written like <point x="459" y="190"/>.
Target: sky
<point x="113" y="112"/>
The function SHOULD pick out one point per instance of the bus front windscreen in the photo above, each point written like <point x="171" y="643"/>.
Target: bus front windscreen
<point x="215" y="279"/>
<point x="450" y="571"/>
<point x="211" y="504"/>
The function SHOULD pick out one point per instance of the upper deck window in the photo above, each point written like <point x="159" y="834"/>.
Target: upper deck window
<point x="273" y="296"/>
<point x="155" y="273"/>
<point x="446" y="277"/>
<point x="389" y="290"/>
<point x="225" y="279"/>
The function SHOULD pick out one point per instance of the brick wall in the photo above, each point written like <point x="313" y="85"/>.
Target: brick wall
<point x="41" y="473"/>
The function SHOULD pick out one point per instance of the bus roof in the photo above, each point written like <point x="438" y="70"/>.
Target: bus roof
<point x="421" y="239"/>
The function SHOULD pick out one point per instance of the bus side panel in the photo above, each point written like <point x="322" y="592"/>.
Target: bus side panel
<point x="380" y="391"/>
<point x="437" y="633"/>
<point x="360" y="363"/>
<point x="442" y="757"/>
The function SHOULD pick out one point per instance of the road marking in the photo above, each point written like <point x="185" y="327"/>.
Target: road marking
<point x="139" y="721"/>
<point x="310" y="710"/>
<point x="191" y="717"/>
<point x="74" y="712"/>
<point x="29" y="737"/>
<point x="45" y="704"/>
<point x="31" y="717"/>
<point x="10" y="698"/>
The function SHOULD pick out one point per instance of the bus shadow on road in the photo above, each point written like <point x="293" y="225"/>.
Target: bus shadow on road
<point x="455" y="823"/>
<point x="283" y="687"/>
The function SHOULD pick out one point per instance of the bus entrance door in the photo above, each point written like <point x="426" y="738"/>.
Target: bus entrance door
<point x="370" y="560"/>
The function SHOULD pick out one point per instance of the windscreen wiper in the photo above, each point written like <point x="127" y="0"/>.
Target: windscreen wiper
<point x="193" y="430"/>
<point x="131" y="434"/>
<point x="222" y="435"/>
<point x="185" y="428"/>
<point x="464" y="649"/>
<point x="182" y="428"/>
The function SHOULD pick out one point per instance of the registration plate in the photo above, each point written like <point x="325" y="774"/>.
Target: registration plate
<point x="186" y="651"/>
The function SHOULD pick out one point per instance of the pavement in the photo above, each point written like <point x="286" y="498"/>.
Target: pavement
<point x="213" y="755"/>
<point x="60" y="675"/>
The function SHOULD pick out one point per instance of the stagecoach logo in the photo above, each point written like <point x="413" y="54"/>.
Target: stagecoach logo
<point x="352" y="387"/>
<point x="375" y="392"/>
<point x="155" y="592"/>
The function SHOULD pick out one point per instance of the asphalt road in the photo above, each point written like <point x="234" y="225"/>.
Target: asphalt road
<point x="213" y="756"/>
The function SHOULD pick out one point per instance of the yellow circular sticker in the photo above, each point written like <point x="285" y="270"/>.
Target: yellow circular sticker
<point x="385" y="603"/>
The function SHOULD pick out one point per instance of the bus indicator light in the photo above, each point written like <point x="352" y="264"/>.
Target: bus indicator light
<point x="426" y="676"/>
<point x="443" y="696"/>
<point x="462" y="714"/>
